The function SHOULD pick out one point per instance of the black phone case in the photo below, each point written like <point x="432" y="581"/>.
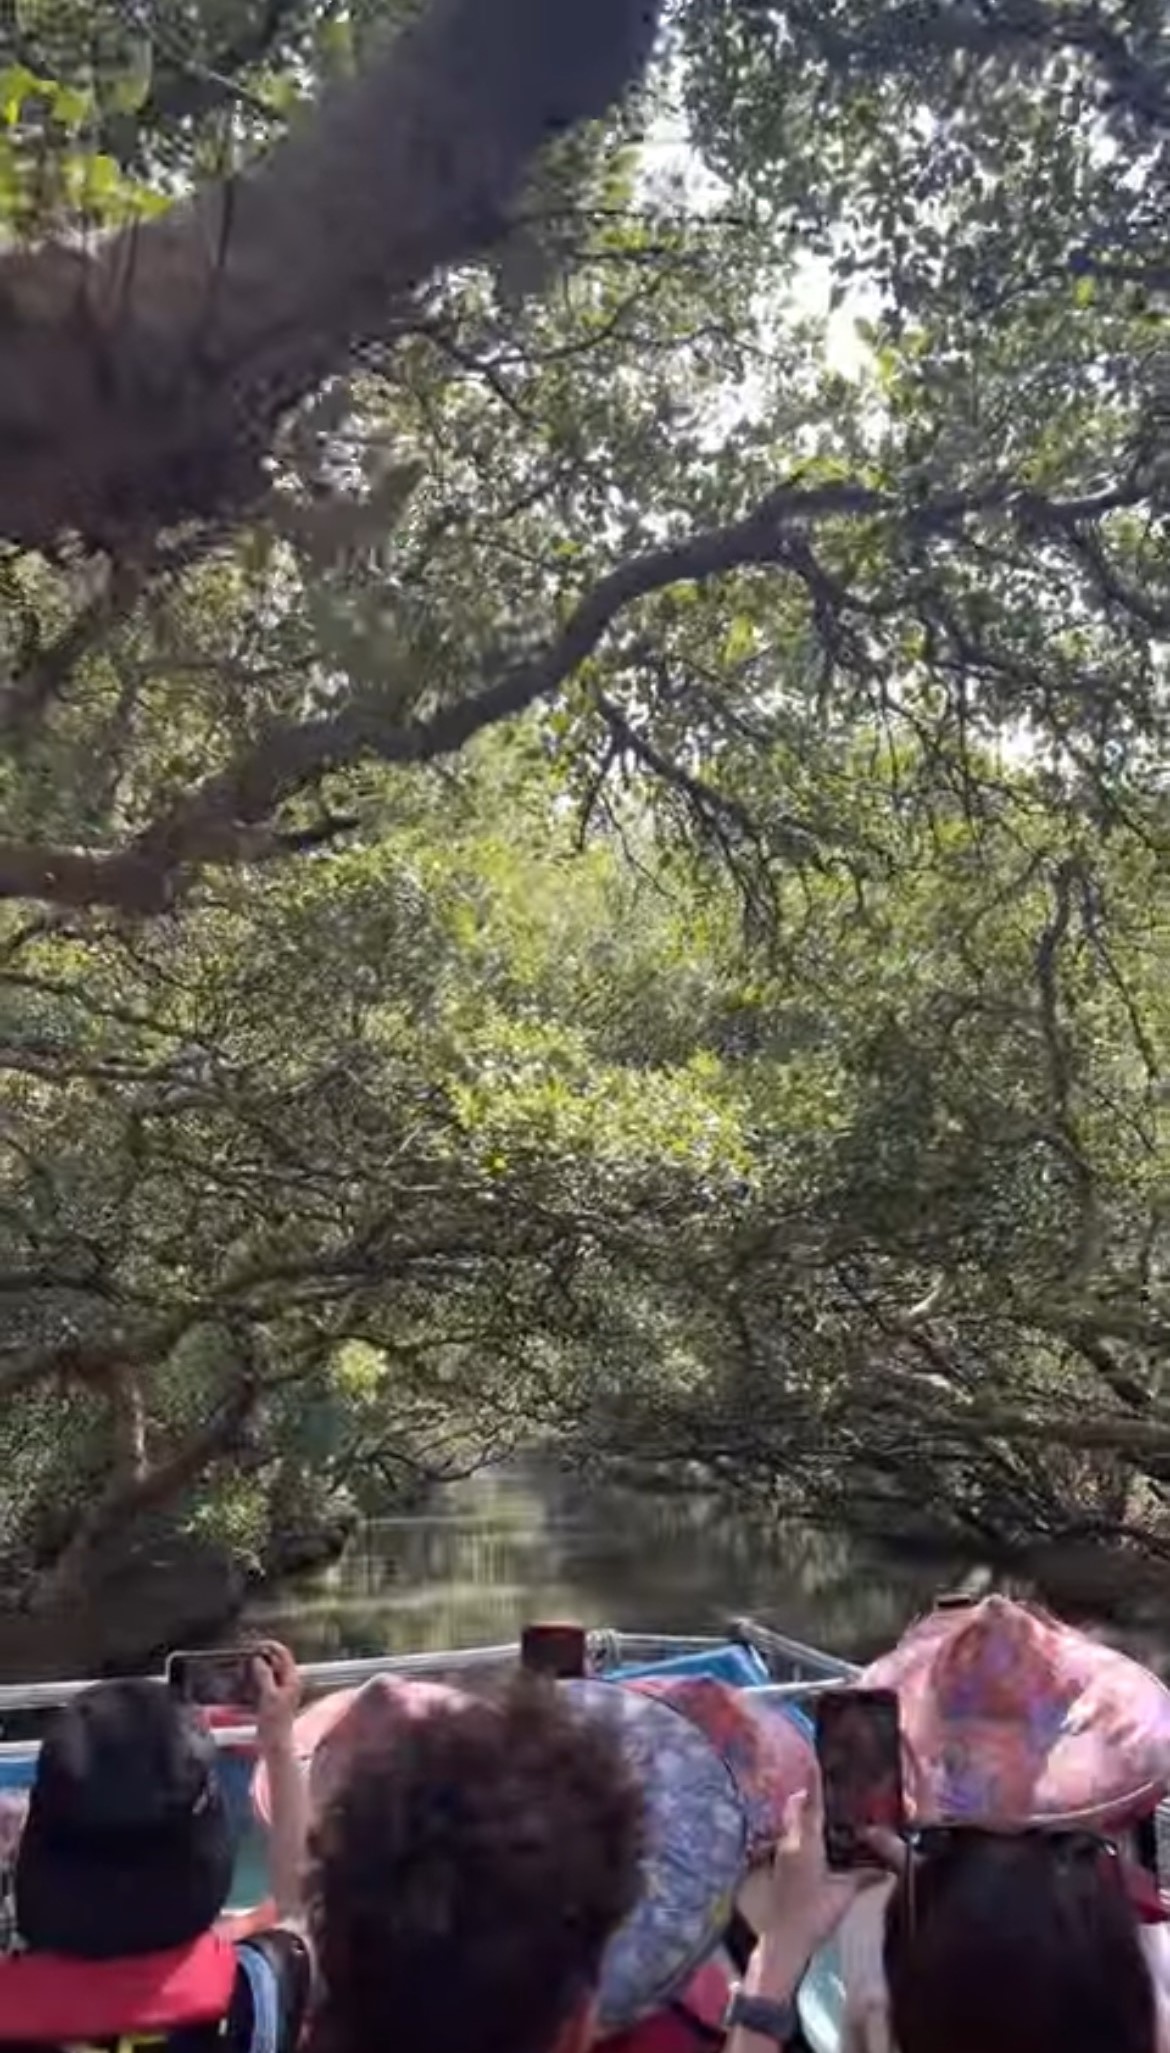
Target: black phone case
<point x="845" y="1850"/>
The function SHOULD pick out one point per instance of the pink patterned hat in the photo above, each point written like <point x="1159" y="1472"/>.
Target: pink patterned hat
<point x="331" y="1732"/>
<point x="1010" y="1719"/>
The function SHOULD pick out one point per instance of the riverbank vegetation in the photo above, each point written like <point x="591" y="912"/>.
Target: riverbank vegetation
<point x="585" y="824"/>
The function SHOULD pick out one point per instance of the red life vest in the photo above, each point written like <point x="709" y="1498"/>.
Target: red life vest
<point x="1145" y="1897"/>
<point x="690" y="2023"/>
<point x="48" y="2000"/>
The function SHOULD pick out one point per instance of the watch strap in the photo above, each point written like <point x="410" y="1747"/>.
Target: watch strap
<point x="760" y="2014"/>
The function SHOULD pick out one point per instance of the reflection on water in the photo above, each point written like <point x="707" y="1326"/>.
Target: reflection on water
<point x="508" y="1546"/>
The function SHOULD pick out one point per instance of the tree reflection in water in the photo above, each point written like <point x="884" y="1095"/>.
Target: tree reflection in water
<point x="528" y="1542"/>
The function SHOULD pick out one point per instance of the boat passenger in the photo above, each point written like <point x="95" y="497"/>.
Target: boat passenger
<point x="664" y="1980"/>
<point x="1025" y="1942"/>
<point x="13" y="1812"/>
<point x="1022" y="1914"/>
<point x="767" y="1750"/>
<point x="795" y="1909"/>
<point x="123" y="1869"/>
<point x="689" y="2022"/>
<point x="463" y="1882"/>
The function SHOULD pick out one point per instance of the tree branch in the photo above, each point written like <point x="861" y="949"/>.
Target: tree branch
<point x="225" y="819"/>
<point x="94" y="1361"/>
<point x="143" y="384"/>
<point x="128" y="1498"/>
<point x="183" y="89"/>
<point x="46" y="668"/>
<point x="1058" y="1057"/>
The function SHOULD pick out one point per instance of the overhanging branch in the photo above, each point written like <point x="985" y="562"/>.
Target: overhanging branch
<point x="227" y="818"/>
<point x="127" y="1499"/>
<point x="142" y="384"/>
<point x="224" y="818"/>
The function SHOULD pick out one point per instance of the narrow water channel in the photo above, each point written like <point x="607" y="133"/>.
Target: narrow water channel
<point x="507" y="1546"/>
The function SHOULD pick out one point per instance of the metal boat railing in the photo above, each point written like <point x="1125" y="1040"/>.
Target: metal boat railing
<point x="318" y="1675"/>
<point x="806" y="1671"/>
<point x="802" y="1662"/>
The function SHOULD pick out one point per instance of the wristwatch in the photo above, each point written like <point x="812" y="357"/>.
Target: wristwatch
<point x="776" y="2021"/>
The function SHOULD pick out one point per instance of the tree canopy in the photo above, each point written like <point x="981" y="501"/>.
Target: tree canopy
<point x="349" y="1175"/>
<point x="584" y="813"/>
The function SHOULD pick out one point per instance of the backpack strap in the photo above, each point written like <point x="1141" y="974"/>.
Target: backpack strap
<point x="261" y="1978"/>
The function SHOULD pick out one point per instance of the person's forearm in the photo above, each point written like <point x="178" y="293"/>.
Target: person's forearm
<point x="775" y="1971"/>
<point x="289" y="1827"/>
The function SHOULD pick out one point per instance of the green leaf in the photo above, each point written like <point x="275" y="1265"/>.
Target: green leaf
<point x="72" y="106"/>
<point x="18" y="84"/>
<point x="739" y="643"/>
<point x="335" y="44"/>
<point x="127" y="91"/>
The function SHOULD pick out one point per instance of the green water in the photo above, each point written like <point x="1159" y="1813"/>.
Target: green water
<point x="505" y="1547"/>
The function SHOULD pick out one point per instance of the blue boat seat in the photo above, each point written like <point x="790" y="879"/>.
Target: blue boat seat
<point x="740" y="1666"/>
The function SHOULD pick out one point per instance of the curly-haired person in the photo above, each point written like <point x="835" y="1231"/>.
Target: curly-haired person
<point x="464" y="1880"/>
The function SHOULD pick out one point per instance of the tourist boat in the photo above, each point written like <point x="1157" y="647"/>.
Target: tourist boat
<point x="749" y="1656"/>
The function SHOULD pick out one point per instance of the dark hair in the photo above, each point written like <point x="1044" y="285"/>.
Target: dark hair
<point x="1023" y="1943"/>
<point x="463" y="1883"/>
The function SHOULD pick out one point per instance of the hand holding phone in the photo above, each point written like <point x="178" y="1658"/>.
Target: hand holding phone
<point x="799" y="1901"/>
<point x="215" y="1678"/>
<point x="859" y="1748"/>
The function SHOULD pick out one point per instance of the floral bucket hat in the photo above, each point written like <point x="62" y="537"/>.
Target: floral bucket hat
<point x="1011" y="1719"/>
<point x="767" y="1750"/>
<point x="695" y="1854"/>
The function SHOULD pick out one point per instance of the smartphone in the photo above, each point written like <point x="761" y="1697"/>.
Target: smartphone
<point x="216" y="1676"/>
<point x="859" y="1748"/>
<point x="554" y="1650"/>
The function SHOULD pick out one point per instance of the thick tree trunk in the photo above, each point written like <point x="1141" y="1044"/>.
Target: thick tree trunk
<point x="143" y="384"/>
<point x="129" y="1498"/>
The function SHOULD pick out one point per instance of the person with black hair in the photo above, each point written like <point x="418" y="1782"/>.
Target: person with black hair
<point x="1021" y="1915"/>
<point x="123" y="1869"/>
<point x="1026" y="1942"/>
<point x="1021" y="1942"/>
